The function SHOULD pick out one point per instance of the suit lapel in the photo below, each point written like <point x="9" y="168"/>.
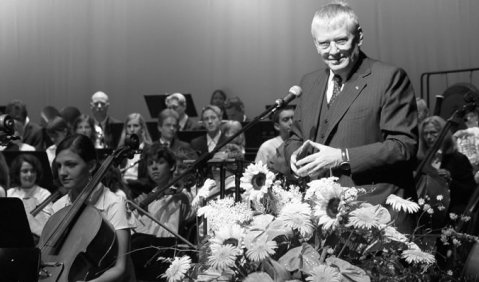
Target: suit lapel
<point x="313" y="105"/>
<point x="351" y="91"/>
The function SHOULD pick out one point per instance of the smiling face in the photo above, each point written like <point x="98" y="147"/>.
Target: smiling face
<point x="73" y="171"/>
<point x="28" y="175"/>
<point x="338" y="46"/>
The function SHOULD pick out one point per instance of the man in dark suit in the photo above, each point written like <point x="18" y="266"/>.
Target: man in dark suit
<point x="103" y="122"/>
<point x="357" y="118"/>
<point x="177" y="102"/>
<point x="168" y="126"/>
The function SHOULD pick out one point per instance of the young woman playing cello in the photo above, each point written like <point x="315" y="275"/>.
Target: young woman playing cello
<point x="75" y="164"/>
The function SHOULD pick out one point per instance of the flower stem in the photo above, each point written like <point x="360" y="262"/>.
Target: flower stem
<point x="345" y="244"/>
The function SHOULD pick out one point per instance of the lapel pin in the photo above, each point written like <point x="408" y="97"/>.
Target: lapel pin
<point x="357" y="88"/>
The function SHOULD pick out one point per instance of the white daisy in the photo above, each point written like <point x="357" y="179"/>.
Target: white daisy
<point x="256" y="180"/>
<point x="222" y="256"/>
<point x="261" y="249"/>
<point x="322" y="273"/>
<point x="413" y="256"/>
<point x="177" y="269"/>
<point x="400" y="204"/>
<point x="368" y="216"/>
<point x="297" y="216"/>
<point x="392" y="234"/>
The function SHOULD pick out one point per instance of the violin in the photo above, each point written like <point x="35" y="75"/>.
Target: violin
<point x="77" y="243"/>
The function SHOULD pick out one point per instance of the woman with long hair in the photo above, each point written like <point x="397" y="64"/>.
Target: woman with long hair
<point x="85" y="125"/>
<point x="134" y="124"/>
<point x="74" y="166"/>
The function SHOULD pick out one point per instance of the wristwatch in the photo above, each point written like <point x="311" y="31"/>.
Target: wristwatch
<point x="345" y="165"/>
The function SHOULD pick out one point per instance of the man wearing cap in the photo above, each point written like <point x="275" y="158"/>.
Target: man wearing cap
<point x="177" y="102"/>
<point x="99" y="108"/>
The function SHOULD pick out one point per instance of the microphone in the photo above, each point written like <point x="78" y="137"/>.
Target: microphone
<point x="293" y="92"/>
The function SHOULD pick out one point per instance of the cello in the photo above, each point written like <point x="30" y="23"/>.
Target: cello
<point x="77" y="243"/>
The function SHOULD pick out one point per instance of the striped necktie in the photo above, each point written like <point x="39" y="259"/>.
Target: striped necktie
<point x="336" y="88"/>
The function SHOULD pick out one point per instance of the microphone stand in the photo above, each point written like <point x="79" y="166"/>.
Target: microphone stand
<point x="280" y="103"/>
<point x="202" y="160"/>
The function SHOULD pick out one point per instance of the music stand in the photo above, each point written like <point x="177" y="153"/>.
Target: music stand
<point x="156" y="103"/>
<point x="47" y="179"/>
<point x="19" y="259"/>
<point x="2" y="109"/>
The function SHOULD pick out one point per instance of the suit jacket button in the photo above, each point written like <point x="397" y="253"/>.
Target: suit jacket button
<point x="322" y="136"/>
<point x="326" y="121"/>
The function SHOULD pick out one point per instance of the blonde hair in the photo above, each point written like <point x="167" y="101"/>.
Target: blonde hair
<point x="145" y="136"/>
<point x="335" y="15"/>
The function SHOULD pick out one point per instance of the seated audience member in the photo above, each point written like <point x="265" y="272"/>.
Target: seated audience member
<point x="218" y="98"/>
<point x="168" y="126"/>
<point x="422" y="110"/>
<point x="29" y="132"/>
<point x="450" y="164"/>
<point x="57" y="129"/>
<point x="70" y="114"/>
<point x="283" y="119"/>
<point x="85" y="125"/>
<point x="211" y="118"/>
<point x="99" y="107"/>
<point x="4" y="176"/>
<point x="236" y="148"/>
<point x="177" y="102"/>
<point x="48" y="113"/>
<point x="25" y="174"/>
<point x="74" y="165"/>
<point x="134" y="124"/>
<point x="235" y="109"/>
<point x="173" y="208"/>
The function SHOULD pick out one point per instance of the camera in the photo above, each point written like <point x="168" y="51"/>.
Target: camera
<point x="7" y="125"/>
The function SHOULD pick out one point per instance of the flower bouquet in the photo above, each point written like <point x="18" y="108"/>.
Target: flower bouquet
<point x="319" y="232"/>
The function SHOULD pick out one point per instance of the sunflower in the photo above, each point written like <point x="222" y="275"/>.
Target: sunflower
<point x="400" y="204"/>
<point x="323" y="273"/>
<point x="260" y="249"/>
<point x="177" y="269"/>
<point x="326" y="196"/>
<point x="297" y="216"/>
<point x="222" y="256"/>
<point x="231" y="234"/>
<point x="256" y="180"/>
<point x="413" y="256"/>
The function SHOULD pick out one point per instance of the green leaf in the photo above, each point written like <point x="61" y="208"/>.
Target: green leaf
<point x="292" y="259"/>
<point x="348" y="271"/>
<point x="310" y="258"/>
<point x="276" y="270"/>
